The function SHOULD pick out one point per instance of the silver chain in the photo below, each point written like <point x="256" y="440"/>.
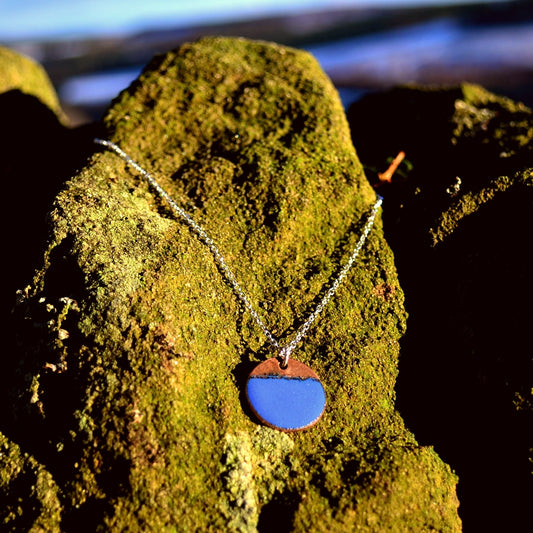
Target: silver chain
<point x="284" y="351"/>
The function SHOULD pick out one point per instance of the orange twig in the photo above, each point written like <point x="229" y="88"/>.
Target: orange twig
<point x="386" y="177"/>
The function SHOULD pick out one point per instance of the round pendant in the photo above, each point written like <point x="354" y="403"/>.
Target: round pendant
<point x="289" y="399"/>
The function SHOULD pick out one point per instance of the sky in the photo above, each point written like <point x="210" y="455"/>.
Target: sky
<point x="37" y="19"/>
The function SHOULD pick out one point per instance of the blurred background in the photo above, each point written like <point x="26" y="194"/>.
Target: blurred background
<point x="92" y="49"/>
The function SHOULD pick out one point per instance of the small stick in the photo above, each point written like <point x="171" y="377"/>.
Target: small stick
<point x="386" y="177"/>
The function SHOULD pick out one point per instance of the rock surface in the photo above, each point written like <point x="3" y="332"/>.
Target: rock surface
<point x="459" y="216"/>
<point x="20" y="73"/>
<point x="126" y="379"/>
<point x="38" y="153"/>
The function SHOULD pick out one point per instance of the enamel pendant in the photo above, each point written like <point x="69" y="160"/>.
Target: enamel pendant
<point x="288" y="399"/>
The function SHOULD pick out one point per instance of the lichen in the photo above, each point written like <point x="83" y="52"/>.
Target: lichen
<point x="254" y="469"/>
<point x="241" y="505"/>
<point x="147" y="427"/>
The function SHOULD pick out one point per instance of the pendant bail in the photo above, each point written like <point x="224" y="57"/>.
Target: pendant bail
<point x="284" y="354"/>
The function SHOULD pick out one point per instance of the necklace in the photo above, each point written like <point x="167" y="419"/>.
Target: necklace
<point x="282" y="393"/>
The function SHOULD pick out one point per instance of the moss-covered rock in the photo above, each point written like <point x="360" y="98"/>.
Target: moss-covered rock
<point x="458" y="216"/>
<point x="28" y="492"/>
<point x="127" y="381"/>
<point x="32" y="132"/>
<point x="37" y="154"/>
<point x="20" y="73"/>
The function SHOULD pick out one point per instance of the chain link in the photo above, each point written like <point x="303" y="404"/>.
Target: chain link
<point x="284" y="351"/>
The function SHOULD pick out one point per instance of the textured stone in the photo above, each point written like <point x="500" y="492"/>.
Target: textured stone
<point x="128" y="381"/>
<point x="20" y="73"/>
<point x="458" y="216"/>
<point x="38" y="153"/>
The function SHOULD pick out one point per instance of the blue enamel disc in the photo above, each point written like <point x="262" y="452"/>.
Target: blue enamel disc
<point x="289" y="399"/>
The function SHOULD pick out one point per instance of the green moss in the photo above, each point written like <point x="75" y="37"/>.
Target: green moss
<point x="251" y="138"/>
<point x="398" y="490"/>
<point x="466" y="205"/>
<point x="28" y="494"/>
<point x="459" y="222"/>
<point x="20" y="73"/>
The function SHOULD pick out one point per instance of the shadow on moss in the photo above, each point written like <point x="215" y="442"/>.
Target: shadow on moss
<point x="39" y="154"/>
<point x="459" y="223"/>
<point x="278" y="514"/>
